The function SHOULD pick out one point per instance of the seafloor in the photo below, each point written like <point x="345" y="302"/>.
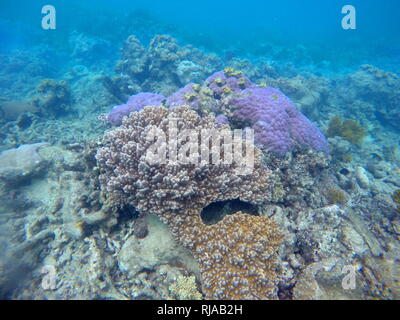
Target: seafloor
<point x="336" y="212"/>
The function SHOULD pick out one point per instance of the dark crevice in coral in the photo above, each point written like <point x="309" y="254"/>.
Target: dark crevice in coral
<point x="216" y="211"/>
<point x="285" y="292"/>
<point x="125" y="214"/>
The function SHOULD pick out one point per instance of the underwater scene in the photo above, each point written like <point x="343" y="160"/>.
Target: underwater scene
<point x="212" y="150"/>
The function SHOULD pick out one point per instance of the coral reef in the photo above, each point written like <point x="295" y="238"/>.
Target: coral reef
<point x="369" y="94"/>
<point x="163" y="67"/>
<point x="53" y="211"/>
<point x="178" y="191"/>
<point x="87" y="50"/>
<point x="279" y="127"/>
<point x="380" y="88"/>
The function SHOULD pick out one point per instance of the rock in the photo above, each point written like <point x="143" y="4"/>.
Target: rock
<point x="354" y="240"/>
<point x="21" y="163"/>
<point x="362" y="178"/>
<point x="140" y="227"/>
<point x="396" y="226"/>
<point x="367" y="235"/>
<point x="380" y="169"/>
<point x="323" y="280"/>
<point x="75" y="229"/>
<point x="158" y="248"/>
<point x="93" y="218"/>
<point x="13" y="109"/>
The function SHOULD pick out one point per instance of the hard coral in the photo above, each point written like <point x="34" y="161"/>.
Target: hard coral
<point x="178" y="191"/>
<point x="11" y="110"/>
<point x="220" y="80"/>
<point x="185" y="289"/>
<point x="133" y="62"/>
<point x="163" y="67"/>
<point x="184" y="96"/>
<point x="349" y="130"/>
<point x="230" y="72"/>
<point x="279" y="127"/>
<point x="135" y="103"/>
<point x="130" y="178"/>
<point x="200" y="100"/>
<point x="336" y="196"/>
<point x="237" y="257"/>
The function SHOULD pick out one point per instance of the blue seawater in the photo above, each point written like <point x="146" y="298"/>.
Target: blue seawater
<point x="243" y="28"/>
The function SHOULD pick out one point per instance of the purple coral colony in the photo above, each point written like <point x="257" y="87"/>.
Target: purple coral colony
<point x="279" y="127"/>
<point x="164" y="171"/>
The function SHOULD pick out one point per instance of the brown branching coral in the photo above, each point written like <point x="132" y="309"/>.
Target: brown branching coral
<point x="236" y="255"/>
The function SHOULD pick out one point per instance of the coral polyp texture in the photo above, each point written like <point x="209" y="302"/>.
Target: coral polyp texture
<point x="237" y="257"/>
<point x="224" y="82"/>
<point x="278" y="125"/>
<point x="135" y="103"/>
<point x="177" y="192"/>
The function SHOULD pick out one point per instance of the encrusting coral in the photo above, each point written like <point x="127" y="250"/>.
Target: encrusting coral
<point x="236" y="255"/>
<point x="135" y="103"/>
